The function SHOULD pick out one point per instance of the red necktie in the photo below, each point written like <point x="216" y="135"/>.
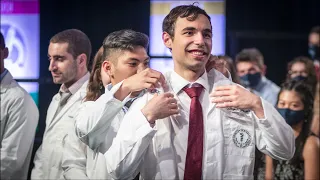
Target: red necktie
<point x="193" y="167"/>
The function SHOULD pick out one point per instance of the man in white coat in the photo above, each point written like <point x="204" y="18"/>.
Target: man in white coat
<point x="69" y="52"/>
<point x="126" y="62"/>
<point x="218" y="126"/>
<point x="19" y="119"/>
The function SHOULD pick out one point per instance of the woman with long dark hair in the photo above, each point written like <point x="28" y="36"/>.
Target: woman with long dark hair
<point x="295" y="104"/>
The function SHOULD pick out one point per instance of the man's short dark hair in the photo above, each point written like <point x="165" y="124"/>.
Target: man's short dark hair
<point x="78" y="42"/>
<point x="126" y="39"/>
<point x="2" y="42"/>
<point x="191" y="12"/>
<point x="252" y="55"/>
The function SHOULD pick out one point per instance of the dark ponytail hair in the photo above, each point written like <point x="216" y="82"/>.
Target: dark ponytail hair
<point x="95" y="86"/>
<point x="305" y="93"/>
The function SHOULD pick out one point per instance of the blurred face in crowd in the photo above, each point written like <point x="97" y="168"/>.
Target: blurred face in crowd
<point x="192" y="43"/>
<point x="125" y="63"/>
<point x="250" y="73"/>
<point x="314" y="39"/>
<point x="290" y="100"/>
<point x="63" y="66"/>
<point x="298" y="69"/>
<point x="244" y="68"/>
<point x="291" y="108"/>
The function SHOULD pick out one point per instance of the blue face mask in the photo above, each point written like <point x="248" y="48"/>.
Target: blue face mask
<point x="292" y="117"/>
<point x="313" y="51"/>
<point x="251" y="80"/>
<point x="299" y="78"/>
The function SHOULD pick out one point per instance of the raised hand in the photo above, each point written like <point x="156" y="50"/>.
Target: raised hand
<point x="160" y="106"/>
<point x="146" y="79"/>
<point x="236" y="96"/>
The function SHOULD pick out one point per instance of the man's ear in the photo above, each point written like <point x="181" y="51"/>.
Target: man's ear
<point x="106" y="67"/>
<point x="82" y="59"/>
<point x="167" y="40"/>
<point x="264" y="70"/>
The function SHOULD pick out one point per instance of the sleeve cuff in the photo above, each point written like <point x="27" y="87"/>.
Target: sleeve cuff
<point x="115" y="88"/>
<point x="143" y="126"/>
<point x="264" y="122"/>
<point x="139" y="127"/>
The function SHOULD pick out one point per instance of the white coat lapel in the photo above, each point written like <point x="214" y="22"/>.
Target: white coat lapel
<point x="77" y="97"/>
<point x="215" y="79"/>
<point x="163" y="142"/>
<point x="52" y="109"/>
<point x="165" y="151"/>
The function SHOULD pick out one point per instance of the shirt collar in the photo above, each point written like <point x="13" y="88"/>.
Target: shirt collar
<point x="178" y="83"/>
<point x="75" y="86"/>
<point x="3" y="74"/>
<point x="108" y="87"/>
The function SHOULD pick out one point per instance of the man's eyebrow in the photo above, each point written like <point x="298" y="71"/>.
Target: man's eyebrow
<point x="189" y="29"/>
<point x="133" y="59"/>
<point x="147" y="59"/>
<point x="57" y="56"/>
<point x="207" y="31"/>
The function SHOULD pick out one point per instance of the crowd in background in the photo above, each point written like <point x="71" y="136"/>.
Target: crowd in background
<point x="297" y="100"/>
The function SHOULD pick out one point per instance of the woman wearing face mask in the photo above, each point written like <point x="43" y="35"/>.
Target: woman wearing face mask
<point x="295" y="104"/>
<point x="302" y="69"/>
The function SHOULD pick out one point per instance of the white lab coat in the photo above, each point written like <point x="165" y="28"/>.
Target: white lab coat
<point x="81" y="162"/>
<point x="48" y="158"/>
<point x="150" y="151"/>
<point x="19" y="119"/>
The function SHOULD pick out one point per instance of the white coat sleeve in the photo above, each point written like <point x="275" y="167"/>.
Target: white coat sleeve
<point x="127" y="151"/>
<point x="274" y="136"/>
<point x="94" y="117"/>
<point x="74" y="158"/>
<point x="18" y="135"/>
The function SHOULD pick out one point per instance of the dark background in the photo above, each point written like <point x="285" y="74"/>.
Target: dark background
<point x="278" y="28"/>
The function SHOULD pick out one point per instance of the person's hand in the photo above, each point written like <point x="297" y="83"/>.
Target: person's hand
<point x="236" y="96"/>
<point x="159" y="107"/>
<point x="146" y="79"/>
<point x="217" y="63"/>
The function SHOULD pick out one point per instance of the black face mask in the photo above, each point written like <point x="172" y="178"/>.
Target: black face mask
<point x="292" y="117"/>
<point x="251" y="80"/>
<point x="299" y="78"/>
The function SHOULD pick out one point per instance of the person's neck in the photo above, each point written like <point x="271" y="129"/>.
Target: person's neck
<point x="79" y="76"/>
<point x="297" y="129"/>
<point x="113" y="81"/>
<point x="188" y="74"/>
